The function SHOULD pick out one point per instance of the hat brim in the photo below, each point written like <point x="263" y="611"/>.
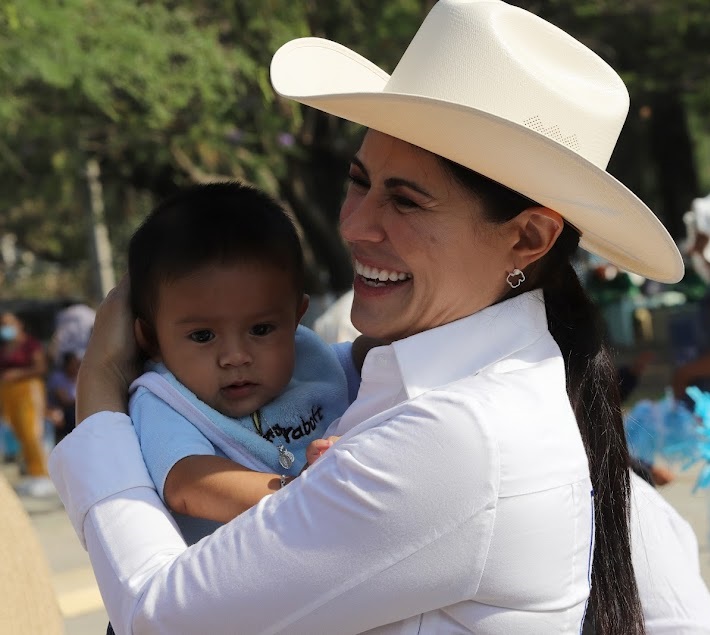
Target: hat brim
<point x="614" y="223"/>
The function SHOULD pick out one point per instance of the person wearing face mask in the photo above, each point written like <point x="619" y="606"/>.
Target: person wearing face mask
<point x="22" y="395"/>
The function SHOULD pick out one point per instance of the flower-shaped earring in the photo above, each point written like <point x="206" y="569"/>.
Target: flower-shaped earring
<point x="515" y="278"/>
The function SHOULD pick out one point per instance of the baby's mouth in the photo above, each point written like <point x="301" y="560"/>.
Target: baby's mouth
<point x="237" y="387"/>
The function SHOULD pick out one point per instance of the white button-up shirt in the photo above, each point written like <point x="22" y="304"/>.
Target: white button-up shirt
<point x="458" y="500"/>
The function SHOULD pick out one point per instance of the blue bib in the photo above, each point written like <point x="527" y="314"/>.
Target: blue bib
<point x="316" y="395"/>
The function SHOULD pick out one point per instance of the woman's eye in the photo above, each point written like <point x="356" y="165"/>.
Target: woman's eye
<point x="358" y="181"/>
<point x="404" y="202"/>
<point x="260" y="330"/>
<point x="201" y="337"/>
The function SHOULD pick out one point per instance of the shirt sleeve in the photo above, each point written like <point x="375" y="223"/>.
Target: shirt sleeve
<point x="664" y="551"/>
<point x="165" y="436"/>
<point x="373" y="533"/>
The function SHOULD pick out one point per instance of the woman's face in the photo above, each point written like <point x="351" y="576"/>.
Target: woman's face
<point x="422" y="251"/>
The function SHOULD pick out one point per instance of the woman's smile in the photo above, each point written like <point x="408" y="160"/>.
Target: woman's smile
<point x="375" y="277"/>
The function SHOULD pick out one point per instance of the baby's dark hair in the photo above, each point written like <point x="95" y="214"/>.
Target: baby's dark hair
<point x="201" y="225"/>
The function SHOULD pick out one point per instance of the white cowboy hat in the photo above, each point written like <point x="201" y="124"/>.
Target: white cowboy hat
<point x="502" y="92"/>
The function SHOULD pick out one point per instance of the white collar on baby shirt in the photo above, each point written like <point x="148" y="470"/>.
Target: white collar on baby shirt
<point x="444" y="354"/>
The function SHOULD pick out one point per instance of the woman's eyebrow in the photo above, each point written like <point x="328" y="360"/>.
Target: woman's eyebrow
<point x="392" y="181"/>
<point x="398" y="182"/>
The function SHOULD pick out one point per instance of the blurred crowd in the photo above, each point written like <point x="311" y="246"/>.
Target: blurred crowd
<point x="38" y="391"/>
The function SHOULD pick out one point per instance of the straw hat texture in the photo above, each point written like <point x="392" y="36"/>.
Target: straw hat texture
<point x="507" y="94"/>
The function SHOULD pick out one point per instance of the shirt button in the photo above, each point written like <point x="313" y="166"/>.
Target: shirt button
<point x="382" y="361"/>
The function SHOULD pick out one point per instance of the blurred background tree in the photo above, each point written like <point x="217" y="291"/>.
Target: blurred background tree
<point x="159" y="93"/>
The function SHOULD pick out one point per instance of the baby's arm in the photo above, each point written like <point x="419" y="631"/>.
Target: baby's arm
<point x="215" y="487"/>
<point x="183" y="464"/>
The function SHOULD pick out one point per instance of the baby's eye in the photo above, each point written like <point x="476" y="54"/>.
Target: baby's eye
<point x="201" y="337"/>
<point x="261" y="330"/>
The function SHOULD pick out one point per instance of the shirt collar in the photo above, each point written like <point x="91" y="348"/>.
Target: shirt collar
<point x="447" y="353"/>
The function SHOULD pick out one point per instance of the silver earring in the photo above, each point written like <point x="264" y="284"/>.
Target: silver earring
<point x="515" y="278"/>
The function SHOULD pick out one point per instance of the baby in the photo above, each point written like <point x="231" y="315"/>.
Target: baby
<point x="235" y="388"/>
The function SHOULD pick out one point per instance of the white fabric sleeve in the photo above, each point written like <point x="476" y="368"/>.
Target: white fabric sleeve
<point x="69" y="463"/>
<point x="165" y="436"/>
<point x="664" y="551"/>
<point x="373" y="533"/>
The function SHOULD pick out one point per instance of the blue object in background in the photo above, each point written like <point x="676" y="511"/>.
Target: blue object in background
<point x="686" y="335"/>
<point x="702" y="411"/>
<point x="669" y="430"/>
<point x="643" y="431"/>
<point x="9" y="445"/>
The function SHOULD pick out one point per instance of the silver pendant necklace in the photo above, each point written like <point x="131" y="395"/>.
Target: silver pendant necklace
<point x="286" y="457"/>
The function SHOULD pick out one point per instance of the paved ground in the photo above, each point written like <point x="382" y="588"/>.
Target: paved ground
<point x="77" y="593"/>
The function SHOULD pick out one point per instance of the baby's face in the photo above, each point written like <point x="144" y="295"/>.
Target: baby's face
<point x="227" y="333"/>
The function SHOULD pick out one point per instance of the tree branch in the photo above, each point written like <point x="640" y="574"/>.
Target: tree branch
<point x="194" y="172"/>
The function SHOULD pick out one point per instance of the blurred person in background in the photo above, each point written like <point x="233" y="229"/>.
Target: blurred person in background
<point x="72" y="329"/>
<point x="334" y="324"/>
<point x="61" y="394"/>
<point x="697" y="248"/>
<point x="23" y="367"/>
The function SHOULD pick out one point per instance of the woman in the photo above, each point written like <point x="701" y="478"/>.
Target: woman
<point x="460" y="497"/>
<point x="22" y="394"/>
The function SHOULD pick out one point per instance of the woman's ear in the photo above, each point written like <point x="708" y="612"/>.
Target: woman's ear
<point x="538" y="229"/>
<point x="146" y="338"/>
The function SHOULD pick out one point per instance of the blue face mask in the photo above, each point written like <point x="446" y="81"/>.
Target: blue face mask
<point x="8" y="333"/>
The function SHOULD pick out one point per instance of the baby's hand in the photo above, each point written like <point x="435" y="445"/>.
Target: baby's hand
<point x="318" y="447"/>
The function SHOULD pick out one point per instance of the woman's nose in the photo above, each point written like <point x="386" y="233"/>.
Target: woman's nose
<point x="360" y="219"/>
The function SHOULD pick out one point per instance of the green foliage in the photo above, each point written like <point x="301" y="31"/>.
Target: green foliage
<point x="122" y="81"/>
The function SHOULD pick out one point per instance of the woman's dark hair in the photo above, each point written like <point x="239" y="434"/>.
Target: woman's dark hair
<point x="216" y="223"/>
<point x="592" y="386"/>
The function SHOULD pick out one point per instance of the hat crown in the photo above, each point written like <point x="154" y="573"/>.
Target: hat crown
<point x="522" y="69"/>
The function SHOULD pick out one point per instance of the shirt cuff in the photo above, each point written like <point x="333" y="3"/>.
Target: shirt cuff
<point x="104" y="446"/>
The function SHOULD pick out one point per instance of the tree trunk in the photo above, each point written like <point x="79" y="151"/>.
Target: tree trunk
<point x="672" y="152"/>
<point x="314" y="188"/>
<point x="102" y="258"/>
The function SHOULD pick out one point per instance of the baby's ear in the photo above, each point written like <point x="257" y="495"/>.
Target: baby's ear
<point x="147" y="341"/>
<point x="302" y="308"/>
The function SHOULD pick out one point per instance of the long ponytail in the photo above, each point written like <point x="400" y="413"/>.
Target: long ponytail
<point x="592" y="386"/>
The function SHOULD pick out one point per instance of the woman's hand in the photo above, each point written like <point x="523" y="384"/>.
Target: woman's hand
<point x="112" y="359"/>
<point x="318" y="447"/>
